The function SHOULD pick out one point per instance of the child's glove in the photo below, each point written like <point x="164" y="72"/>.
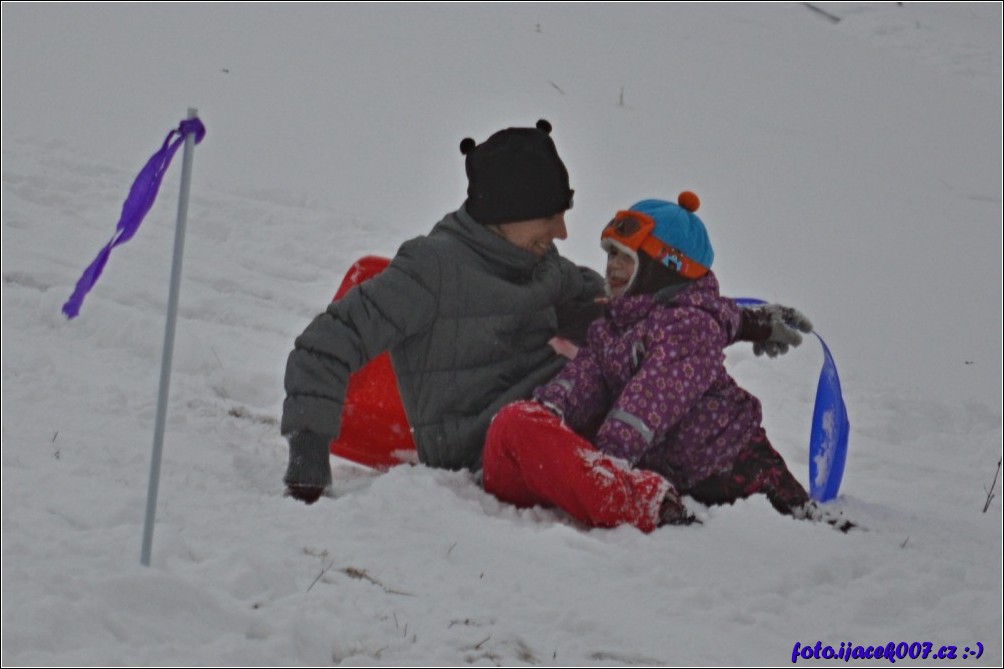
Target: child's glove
<point x="309" y="471"/>
<point x="772" y="328"/>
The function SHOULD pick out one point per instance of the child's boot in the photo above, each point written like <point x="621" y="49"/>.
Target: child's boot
<point x="673" y="512"/>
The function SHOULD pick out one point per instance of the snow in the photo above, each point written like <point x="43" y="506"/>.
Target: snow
<point x="851" y="169"/>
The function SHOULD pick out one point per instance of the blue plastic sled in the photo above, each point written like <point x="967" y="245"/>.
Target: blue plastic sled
<point x="830" y="427"/>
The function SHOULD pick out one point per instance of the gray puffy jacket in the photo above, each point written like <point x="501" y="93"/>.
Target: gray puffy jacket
<point x="466" y="316"/>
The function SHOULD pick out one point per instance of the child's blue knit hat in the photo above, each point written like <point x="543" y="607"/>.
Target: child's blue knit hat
<point x="678" y="226"/>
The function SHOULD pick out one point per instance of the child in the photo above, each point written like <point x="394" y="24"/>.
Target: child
<point x="646" y="412"/>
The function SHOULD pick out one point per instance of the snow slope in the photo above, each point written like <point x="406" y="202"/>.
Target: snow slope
<point x="851" y="169"/>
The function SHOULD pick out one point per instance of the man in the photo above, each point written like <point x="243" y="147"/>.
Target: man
<point x="467" y="313"/>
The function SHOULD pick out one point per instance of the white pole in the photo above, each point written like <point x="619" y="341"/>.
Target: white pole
<point x="165" y="363"/>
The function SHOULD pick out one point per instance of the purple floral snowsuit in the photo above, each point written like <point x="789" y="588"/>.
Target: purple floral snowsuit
<point x="651" y="386"/>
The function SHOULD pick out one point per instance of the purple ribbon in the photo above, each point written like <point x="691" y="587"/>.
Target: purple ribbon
<point x="138" y="203"/>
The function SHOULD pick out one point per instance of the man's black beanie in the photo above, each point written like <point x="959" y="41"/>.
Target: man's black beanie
<point x="516" y="175"/>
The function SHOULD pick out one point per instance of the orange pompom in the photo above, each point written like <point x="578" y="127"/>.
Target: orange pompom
<point x="689" y="201"/>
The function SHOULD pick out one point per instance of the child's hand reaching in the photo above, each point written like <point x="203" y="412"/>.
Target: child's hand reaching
<point x="773" y="328"/>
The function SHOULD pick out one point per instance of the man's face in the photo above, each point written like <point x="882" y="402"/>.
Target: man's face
<point x="536" y="235"/>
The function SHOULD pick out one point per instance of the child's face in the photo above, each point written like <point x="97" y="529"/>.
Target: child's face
<point x="620" y="269"/>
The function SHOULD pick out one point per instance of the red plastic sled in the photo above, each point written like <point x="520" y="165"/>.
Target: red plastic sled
<point x="375" y="430"/>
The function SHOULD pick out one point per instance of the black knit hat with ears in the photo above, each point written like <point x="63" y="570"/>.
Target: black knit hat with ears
<point x="516" y="175"/>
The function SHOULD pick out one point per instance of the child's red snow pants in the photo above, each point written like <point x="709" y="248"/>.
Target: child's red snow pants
<point x="531" y="459"/>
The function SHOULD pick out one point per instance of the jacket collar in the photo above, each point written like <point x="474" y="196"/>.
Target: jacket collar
<point x="495" y="249"/>
<point x="702" y="293"/>
<point x="626" y="311"/>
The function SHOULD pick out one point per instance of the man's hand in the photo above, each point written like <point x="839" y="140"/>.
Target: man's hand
<point x="309" y="471"/>
<point x="564" y="348"/>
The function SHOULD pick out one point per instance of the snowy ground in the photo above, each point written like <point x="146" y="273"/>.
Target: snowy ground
<point x="851" y="169"/>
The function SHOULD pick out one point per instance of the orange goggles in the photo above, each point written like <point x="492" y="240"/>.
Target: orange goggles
<point x="634" y="229"/>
